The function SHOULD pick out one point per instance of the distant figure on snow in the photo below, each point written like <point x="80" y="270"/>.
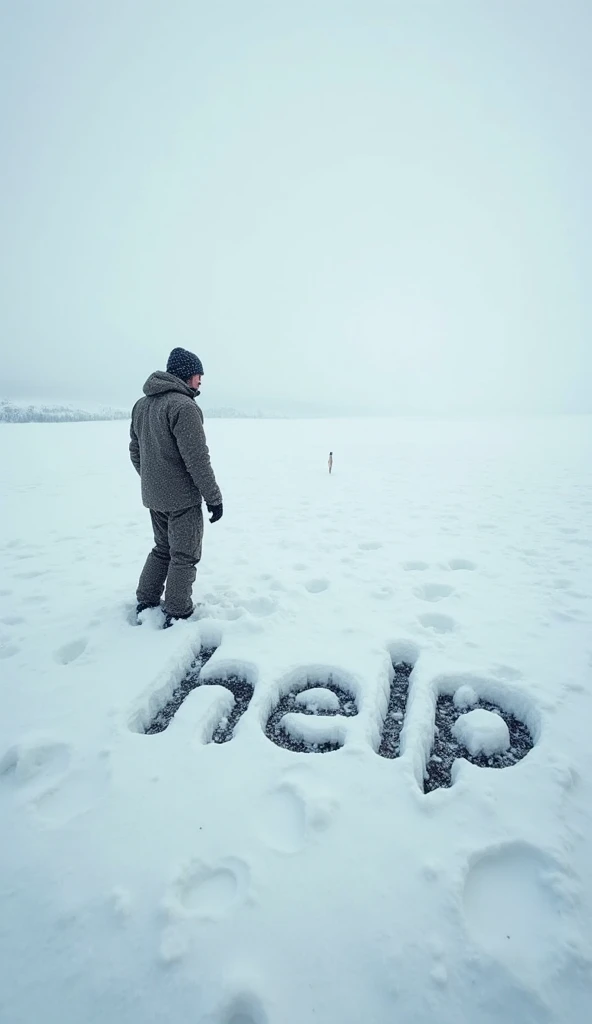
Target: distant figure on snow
<point x="330" y="462"/>
<point x="168" y="449"/>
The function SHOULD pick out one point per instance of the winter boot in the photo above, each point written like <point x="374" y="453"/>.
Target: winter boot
<point x="169" y="619"/>
<point x="143" y="605"/>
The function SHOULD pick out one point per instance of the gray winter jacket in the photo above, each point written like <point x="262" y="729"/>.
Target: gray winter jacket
<point x="168" y="447"/>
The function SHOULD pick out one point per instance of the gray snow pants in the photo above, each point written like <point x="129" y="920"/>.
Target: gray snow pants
<point x="176" y="552"/>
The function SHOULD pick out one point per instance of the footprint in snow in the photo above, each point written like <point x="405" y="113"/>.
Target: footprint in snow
<point x="77" y="793"/>
<point x="316" y="586"/>
<point x="282" y="819"/>
<point x="71" y="652"/>
<point x="457" y="564"/>
<point x="433" y="591"/>
<point x="36" y="599"/>
<point x="208" y="892"/>
<point x="515" y="900"/>
<point x="569" y="615"/>
<point x="559" y="583"/>
<point x="219" y="611"/>
<point x="437" y="622"/>
<point x="507" y="672"/>
<point x="8" y="651"/>
<point x="35" y="758"/>
<point x="120" y="903"/>
<point x="244" y="1009"/>
<point x="292" y="812"/>
<point x="41" y="770"/>
<point x="260" y="606"/>
<point x="370" y="545"/>
<point x="414" y="566"/>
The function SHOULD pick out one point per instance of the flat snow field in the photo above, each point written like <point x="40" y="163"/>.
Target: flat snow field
<point x="307" y="836"/>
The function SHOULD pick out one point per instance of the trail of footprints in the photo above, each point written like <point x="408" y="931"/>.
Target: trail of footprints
<point x="289" y="724"/>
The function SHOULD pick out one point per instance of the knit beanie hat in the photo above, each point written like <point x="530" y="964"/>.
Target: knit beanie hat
<point x="184" y="364"/>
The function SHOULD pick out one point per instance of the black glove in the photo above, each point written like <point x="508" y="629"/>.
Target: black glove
<point x="217" y="512"/>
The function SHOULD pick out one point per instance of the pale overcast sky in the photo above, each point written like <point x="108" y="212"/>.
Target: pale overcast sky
<point x="380" y="205"/>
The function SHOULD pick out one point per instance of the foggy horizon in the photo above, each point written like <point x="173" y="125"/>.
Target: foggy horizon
<point x="364" y="209"/>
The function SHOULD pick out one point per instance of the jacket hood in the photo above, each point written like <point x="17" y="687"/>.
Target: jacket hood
<point x="160" y="382"/>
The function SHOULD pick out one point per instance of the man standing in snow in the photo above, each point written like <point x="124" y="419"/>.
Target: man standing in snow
<point x="168" y="449"/>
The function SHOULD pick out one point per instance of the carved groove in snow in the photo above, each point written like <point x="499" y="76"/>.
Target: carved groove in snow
<point x="275" y="730"/>
<point x="446" y="748"/>
<point x="289" y="732"/>
<point x="241" y="690"/>
<point x="390" y="743"/>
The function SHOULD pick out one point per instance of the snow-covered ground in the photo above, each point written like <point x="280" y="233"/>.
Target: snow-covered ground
<point x="160" y="877"/>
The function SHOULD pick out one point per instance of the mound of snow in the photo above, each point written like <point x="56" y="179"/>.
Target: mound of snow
<point x="314" y="731"/>
<point x="465" y="697"/>
<point x="482" y="732"/>
<point x="319" y="699"/>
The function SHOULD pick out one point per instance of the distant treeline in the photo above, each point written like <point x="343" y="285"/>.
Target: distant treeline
<point x="10" y="413"/>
